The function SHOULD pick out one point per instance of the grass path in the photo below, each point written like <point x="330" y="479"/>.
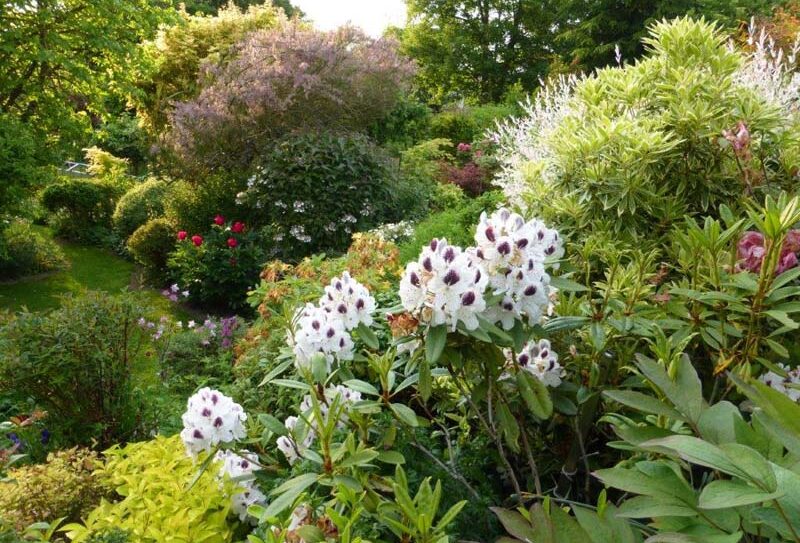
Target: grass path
<point x="90" y="268"/>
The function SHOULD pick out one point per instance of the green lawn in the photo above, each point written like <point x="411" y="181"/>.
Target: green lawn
<point x="90" y="268"/>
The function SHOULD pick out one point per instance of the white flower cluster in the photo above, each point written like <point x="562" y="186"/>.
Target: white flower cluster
<point x="240" y="468"/>
<point x="303" y="431"/>
<point x="513" y="253"/>
<point x="394" y="232"/>
<point x="769" y="71"/>
<point x="211" y="418"/>
<point x="525" y="141"/>
<point x="541" y="361"/>
<point x="789" y="385"/>
<point x="445" y="286"/>
<point x="325" y="328"/>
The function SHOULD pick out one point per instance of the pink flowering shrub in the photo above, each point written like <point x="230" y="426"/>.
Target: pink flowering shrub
<point x="282" y="80"/>
<point x="751" y="252"/>
<point x="217" y="268"/>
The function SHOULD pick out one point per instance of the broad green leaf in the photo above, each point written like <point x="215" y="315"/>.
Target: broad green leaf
<point x="391" y="457"/>
<point x="535" y="395"/>
<point x="508" y="424"/>
<point x="567" y="285"/>
<point x="435" y="341"/>
<point x="367" y="336"/>
<point x="287" y="493"/>
<point x="405" y="414"/>
<point x="425" y="381"/>
<point x="644" y="403"/>
<point x="515" y="524"/>
<point x="727" y="494"/>
<point x="652" y="507"/>
<point x="360" y="458"/>
<point x="277" y="370"/>
<point x="362" y="386"/>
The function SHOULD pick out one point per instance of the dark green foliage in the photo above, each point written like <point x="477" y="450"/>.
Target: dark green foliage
<point x="151" y="244"/>
<point x="192" y="206"/>
<point x="406" y="125"/>
<point x="591" y="30"/>
<point x="317" y="189"/>
<point x="21" y="153"/>
<point x="123" y="137"/>
<point x="143" y="202"/>
<point x="81" y="209"/>
<point x="75" y="362"/>
<point x="24" y="251"/>
<point x="456" y="224"/>
<point x="478" y="48"/>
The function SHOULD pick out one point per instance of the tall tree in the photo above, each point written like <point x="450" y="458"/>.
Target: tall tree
<point x="478" y="48"/>
<point x="62" y="58"/>
<point x="589" y="31"/>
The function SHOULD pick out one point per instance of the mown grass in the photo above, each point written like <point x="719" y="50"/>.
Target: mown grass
<point x="91" y="268"/>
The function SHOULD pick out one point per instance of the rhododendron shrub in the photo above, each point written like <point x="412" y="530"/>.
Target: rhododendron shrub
<point x="217" y="268"/>
<point x="282" y="80"/>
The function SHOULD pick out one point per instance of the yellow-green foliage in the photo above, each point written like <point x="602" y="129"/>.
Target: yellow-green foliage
<point x="65" y="486"/>
<point x="152" y="479"/>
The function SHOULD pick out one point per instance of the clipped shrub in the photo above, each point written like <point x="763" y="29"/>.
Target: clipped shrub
<point x="64" y="486"/>
<point x="151" y="243"/>
<point x="143" y="202"/>
<point x="81" y="209"/>
<point x="220" y="266"/>
<point x="308" y="80"/>
<point x="456" y="125"/>
<point x="75" y="362"/>
<point x="24" y="251"/>
<point x="190" y="205"/>
<point x="407" y="124"/>
<point x="317" y="189"/>
<point x="152" y="479"/>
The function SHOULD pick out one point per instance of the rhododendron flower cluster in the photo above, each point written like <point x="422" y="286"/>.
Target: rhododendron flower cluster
<point x="320" y="332"/>
<point x="302" y="432"/>
<point x="539" y="359"/>
<point x="444" y="287"/>
<point x="751" y="252"/>
<point x="350" y="300"/>
<point x="789" y="385"/>
<point x="240" y="468"/>
<point x="513" y="252"/>
<point x="324" y="329"/>
<point x="448" y="286"/>
<point x="211" y="418"/>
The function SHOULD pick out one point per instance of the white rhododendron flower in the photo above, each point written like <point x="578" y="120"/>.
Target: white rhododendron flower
<point x="513" y="253"/>
<point x="319" y="331"/>
<point x="348" y="300"/>
<point x="291" y="447"/>
<point x="211" y="418"/>
<point x="542" y="362"/>
<point x="240" y="468"/>
<point x="445" y="286"/>
<point x="784" y="384"/>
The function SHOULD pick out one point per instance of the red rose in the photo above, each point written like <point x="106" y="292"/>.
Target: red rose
<point x="182" y="235"/>
<point x="197" y="240"/>
<point x="238" y="227"/>
<point x="219" y="219"/>
<point x="232" y="242"/>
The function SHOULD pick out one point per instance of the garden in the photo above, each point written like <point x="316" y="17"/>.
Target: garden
<point x="516" y="272"/>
